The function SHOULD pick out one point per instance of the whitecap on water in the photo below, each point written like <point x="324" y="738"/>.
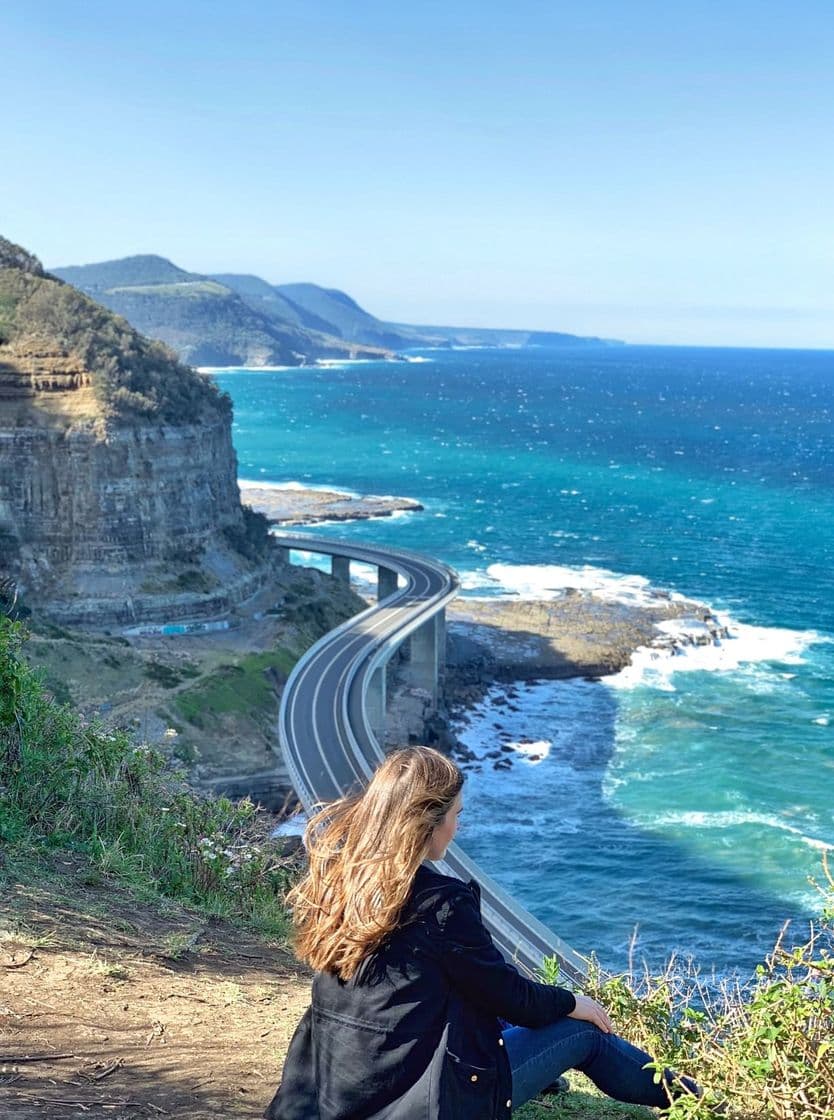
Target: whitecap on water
<point x="743" y="645"/>
<point x="732" y="818"/>
<point x="262" y="484"/>
<point x="553" y="581"/>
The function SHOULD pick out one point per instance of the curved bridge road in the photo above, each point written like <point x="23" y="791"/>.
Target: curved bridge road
<point x="329" y="746"/>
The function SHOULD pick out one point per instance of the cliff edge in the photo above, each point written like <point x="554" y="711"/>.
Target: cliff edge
<point x="118" y="479"/>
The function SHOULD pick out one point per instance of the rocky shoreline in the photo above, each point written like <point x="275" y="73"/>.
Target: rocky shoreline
<point x="501" y="643"/>
<point x="497" y="646"/>
<point x="299" y="506"/>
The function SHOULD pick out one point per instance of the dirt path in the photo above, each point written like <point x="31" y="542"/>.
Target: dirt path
<point x="126" y="1010"/>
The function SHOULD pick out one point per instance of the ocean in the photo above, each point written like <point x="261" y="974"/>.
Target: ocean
<point x="685" y="804"/>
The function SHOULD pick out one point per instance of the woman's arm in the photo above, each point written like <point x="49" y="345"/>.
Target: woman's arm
<point x="478" y="971"/>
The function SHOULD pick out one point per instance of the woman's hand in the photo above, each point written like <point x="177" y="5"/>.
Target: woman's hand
<point x="592" y="1012"/>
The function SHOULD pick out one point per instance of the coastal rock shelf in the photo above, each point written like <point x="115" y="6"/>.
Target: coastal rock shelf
<point x="297" y="506"/>
<point x="577" y="635"/>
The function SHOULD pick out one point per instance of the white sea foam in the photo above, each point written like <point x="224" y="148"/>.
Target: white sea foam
<point x="554" y="581"/>
<point x="292" y="826"/>
<point x="363" y="576"/>
<point x="508" y="729"/>
<point x="245" y="369"/>
<point x="336" y="363"/>
<point x="533" y="752"/>
<point x="746" y="645"/>
<point x="732" y="818"/>
<point x="684" y="644"/>
<point x="261" y="484"/>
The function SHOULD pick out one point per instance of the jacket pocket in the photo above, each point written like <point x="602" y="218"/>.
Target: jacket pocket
<point x="468" y="1091"/>
<point x="331" y="1019"/>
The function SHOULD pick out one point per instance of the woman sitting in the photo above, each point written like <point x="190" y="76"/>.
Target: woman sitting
<point x="409" y="987"/>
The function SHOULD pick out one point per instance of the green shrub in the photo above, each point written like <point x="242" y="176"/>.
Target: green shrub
<point x="69" y="784"/>
<point x="251" y="538"/>
<point x="764" y="1049"/>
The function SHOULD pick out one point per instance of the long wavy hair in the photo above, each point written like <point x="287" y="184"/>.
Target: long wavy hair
<point x="364" y="852"/>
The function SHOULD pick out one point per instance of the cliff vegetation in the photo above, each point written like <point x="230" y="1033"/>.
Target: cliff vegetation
<point x="131" y="376"/>
<point x="67" y="783"/>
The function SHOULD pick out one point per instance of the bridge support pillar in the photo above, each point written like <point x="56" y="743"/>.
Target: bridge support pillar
<point x="386" y="583"/>
<point x="282" y="553"/>
<point x="428" y="655"/>
<point x="340" y="568"/>
<point x="376" y="699"/>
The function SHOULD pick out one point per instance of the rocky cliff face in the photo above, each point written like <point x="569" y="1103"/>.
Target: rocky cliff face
<point x="118" y="491"/>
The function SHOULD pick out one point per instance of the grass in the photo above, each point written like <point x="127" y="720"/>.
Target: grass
<point x="583" y="1102"/>
<point x="243" y="687"/>
<point x="8" y="305"/>
<point x="187" y="289"/>
<point x="169" y="676"/>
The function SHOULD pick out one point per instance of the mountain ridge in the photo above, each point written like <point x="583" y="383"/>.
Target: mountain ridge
<point x="228" y="318"/>
<point x="204" y="320"/>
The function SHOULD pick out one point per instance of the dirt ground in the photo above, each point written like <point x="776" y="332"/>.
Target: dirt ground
<point x="114" y="1007"/>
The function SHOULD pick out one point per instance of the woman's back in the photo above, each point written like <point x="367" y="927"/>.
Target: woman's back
<point x="409" y="987"/>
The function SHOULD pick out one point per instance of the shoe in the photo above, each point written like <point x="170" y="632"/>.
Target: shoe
<point x="560" y="1085"/>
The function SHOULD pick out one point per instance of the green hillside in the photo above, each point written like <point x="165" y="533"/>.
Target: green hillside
<point x="267" y="299"/>
<point x="491" y="336"/>
<point x="143" y="269"/>
<point x="205" y="320"/>
<point x="345" y="317"/>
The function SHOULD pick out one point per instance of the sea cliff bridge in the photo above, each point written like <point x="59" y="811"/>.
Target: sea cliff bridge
<point x="333" y="714"/>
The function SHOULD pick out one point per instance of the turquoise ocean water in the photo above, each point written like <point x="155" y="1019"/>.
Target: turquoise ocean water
<point x="691" y="797"/>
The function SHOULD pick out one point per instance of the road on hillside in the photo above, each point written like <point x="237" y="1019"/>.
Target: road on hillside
<point x="330" y="748"/>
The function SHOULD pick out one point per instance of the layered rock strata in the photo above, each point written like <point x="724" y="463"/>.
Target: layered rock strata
<point x="118" y="491"/>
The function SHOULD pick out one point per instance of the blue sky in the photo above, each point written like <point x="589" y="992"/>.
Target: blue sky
<point x="650" y="171"/>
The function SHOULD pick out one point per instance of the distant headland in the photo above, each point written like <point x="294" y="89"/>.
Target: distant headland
<point x="230" y="319"/>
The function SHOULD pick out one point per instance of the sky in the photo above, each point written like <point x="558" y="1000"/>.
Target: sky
<point x="655" y="172"/>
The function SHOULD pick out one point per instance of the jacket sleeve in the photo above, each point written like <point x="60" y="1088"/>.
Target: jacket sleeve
<point x="480" y="974"/>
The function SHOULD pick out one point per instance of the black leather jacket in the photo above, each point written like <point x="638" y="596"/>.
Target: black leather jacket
<point x="414" y="1035"/>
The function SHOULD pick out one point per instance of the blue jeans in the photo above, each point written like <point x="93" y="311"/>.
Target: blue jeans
<point x="538" y="1057"/>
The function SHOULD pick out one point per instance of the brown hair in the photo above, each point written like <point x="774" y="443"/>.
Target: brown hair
<point x="364" y="852"/>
